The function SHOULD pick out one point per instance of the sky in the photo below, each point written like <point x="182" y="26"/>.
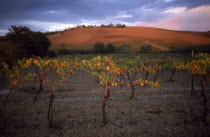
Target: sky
<point x="51" y="15"/>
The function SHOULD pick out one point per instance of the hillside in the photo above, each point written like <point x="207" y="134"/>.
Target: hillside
<point x="134" y="36"/>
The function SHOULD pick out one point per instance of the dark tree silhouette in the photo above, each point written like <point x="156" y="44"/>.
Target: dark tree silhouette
<point x="99" y="48"/>
<point x="27" y="42"/>
<point x="111" y="48"/>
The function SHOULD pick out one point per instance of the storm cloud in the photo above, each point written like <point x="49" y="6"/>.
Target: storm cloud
<point x="182" y="18"/>
<point x="49" y="15"/>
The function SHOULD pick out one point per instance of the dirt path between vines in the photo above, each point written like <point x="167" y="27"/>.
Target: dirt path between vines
<point x="77" y="111"/>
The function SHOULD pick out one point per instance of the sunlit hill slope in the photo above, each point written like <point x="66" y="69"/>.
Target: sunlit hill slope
<point x="135" y="37"/>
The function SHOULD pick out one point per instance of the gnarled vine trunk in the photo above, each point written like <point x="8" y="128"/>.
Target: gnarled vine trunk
<point x="146" y="75"/>
<point x="106" y="96"/>
<point x="40" y="89"/>
<point x="50" y="110"/>
<point x="132" y="91"/>
<point x="132" y="84"/>
<point x="121" y="78"/>
<point x="172" y="74"/>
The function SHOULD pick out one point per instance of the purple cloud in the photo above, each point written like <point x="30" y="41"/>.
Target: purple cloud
<point x="182" y="18"/>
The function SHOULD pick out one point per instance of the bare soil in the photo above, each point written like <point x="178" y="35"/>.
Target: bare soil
<point x="166" y="112"/>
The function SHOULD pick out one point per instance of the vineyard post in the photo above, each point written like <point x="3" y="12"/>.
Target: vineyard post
<point x="192" y="77"/>
<point x="205" y="113"/>
<point x="51" y="98"/>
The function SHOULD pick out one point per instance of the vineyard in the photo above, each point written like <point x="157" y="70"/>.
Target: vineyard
<point x="125" y="81"/>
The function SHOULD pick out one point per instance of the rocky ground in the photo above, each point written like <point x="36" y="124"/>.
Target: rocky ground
<point x="166" y="112"/>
